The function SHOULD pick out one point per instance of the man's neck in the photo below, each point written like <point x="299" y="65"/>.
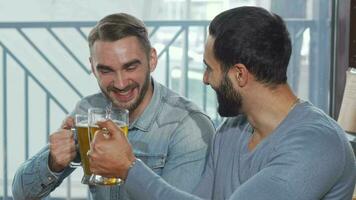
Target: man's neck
<point x="266" y="109"/>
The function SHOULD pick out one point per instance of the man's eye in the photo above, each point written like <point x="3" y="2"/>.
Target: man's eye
<point x="207" y="68"/>
<point x="105" y="71"/>
<point x="131" y="67"/>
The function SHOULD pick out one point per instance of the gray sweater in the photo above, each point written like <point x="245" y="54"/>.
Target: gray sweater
<point x="306" y="157"/>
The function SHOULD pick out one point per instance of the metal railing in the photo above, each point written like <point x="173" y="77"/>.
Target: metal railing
<point x="181" y="43"/>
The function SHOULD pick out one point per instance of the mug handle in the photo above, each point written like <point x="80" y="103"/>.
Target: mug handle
<point x="74" y="164"/>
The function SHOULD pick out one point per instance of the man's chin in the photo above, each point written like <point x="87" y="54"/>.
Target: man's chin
<point x="120" y="104"/>
<point x="228" y="112"/>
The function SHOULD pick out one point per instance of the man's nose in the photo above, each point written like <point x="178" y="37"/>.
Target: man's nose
<point x="120" y="81"/>
<point x="205" y="78"/>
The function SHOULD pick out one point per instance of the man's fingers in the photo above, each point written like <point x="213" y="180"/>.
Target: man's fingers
<point x="65" y="133"/>
<point x="68" y="123"/>
<point x="61" y="135"/>
<point x="111" y="127"/>
<point x="99" y="135"/>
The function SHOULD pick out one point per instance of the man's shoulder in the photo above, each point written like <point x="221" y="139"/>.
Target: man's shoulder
<point x="313" y="129"/>
<point x="312" y="119"/>
<point x="177" y="102"/>
<point x="175" y="107"/>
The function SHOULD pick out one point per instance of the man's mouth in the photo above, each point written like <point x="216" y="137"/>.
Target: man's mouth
<point x="124" y="96"/>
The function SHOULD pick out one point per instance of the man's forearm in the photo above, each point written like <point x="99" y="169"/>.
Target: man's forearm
<point x="140" y="177"/>
<point x="34" y="179"/>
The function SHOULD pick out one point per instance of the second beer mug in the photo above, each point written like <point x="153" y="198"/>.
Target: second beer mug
<point x="118" y="116"/>
<point x="82" y="135"/>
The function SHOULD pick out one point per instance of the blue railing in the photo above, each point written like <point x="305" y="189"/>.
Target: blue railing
<point x="180" y="47"/>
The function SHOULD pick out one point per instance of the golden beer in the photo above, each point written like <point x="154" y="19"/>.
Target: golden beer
<point x="121" y="125"/>
<point x="92" y="131"/>
<point x="84" y="146"/>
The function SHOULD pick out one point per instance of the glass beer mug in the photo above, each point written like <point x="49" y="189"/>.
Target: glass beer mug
<point x="82" y="134"/>
<point x="121" y="118"/>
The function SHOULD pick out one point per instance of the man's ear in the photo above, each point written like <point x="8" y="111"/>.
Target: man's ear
<point x="153" y="59"/>
<point x="239" y="74"/>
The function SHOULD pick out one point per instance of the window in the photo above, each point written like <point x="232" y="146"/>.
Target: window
<point x="45" y="68"/>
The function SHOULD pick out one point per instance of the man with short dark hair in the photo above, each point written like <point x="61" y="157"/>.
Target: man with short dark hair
<point x="168" y="132"/>
<point x="273" y="145"/>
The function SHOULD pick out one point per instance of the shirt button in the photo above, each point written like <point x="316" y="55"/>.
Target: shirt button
<point x="50" y="178"/>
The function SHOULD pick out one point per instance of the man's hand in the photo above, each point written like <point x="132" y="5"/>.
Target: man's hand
<point x="68" y="123"/>
<point x="62" y="146"/>
<point x="111" y="154"/>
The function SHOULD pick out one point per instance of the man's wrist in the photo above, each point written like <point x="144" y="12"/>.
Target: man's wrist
<point x="131" y="165"/>
<point x="52" y="165"/>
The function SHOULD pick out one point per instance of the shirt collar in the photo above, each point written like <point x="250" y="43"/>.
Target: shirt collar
<point x="145" y="121"/>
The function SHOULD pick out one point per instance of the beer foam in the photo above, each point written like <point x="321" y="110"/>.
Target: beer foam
<point x="120" y="123"/>
<point x="81" y="124"/>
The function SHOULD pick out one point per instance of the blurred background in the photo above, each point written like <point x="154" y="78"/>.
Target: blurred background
<point x="44" y="66"/>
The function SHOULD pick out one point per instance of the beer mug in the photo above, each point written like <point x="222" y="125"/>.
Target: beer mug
<point x="121" y="118"/>
<point x="82" y="137"/>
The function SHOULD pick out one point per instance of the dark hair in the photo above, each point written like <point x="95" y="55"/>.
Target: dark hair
<point x="254" y="37"/>
<point x="117" y="26"/>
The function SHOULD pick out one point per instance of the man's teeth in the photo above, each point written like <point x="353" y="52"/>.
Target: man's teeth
<point x="124" y="93"/>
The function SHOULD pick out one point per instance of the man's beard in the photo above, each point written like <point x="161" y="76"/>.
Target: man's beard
<point x="229" y="100"/>
<point x="142" y="93"/>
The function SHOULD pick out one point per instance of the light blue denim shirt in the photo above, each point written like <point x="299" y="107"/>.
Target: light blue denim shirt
<point x="171" y="137"/>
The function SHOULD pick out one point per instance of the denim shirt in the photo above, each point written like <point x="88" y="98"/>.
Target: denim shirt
<point x="171" y="137"/>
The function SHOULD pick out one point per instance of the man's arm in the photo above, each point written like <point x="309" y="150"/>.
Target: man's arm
<point x="204" y="189"/>
<point x="41" y="174"/>
<point x="301" y="168"/>
<point x="113" y="157"/>
<point x="143" y="183"/>
<point x="34" y="179"/>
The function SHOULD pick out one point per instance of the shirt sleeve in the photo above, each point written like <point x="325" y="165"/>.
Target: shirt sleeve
<point x="34" y="180"/>
<point x="143" y="183"/>
<point x="188" y="152"/>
